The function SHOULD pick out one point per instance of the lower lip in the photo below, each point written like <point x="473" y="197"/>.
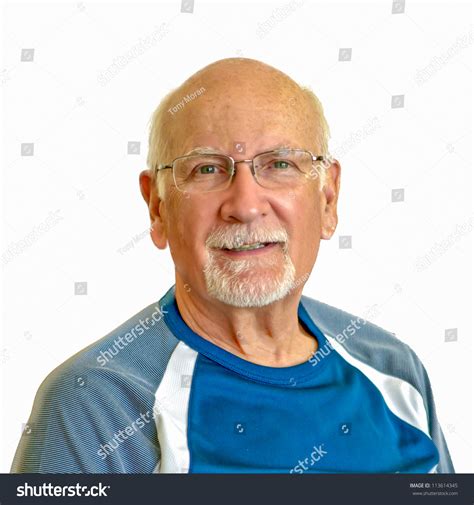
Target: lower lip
<point x="249" y="252"/>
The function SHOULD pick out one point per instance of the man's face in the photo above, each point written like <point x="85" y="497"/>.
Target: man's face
<point x="201" y="226"/>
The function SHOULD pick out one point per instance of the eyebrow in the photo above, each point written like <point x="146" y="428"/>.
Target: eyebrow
<point x="204" y="150"/>
<point x="213" y="150"/>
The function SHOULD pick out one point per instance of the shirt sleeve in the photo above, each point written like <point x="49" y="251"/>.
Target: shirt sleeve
<point x="445" y="464"/>
<point x="89" y="420"/>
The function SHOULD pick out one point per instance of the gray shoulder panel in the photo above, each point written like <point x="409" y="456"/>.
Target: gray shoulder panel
<point x="94" y="412"/>
<point x="384" y="352"/>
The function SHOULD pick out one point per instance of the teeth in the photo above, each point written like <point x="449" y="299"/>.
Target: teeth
<point x="249" y="247"/>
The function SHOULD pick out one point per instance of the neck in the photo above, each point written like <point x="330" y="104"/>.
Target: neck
<point x="269" y="336"/>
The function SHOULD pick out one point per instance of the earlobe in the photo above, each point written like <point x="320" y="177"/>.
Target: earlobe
<point x="158" y="234"/>
<point x="327" y="231"/>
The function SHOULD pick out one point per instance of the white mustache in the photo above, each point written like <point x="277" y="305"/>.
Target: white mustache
<point x="231" y="237"/>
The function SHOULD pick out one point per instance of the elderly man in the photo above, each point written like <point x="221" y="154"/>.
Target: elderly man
<point x="233" y="370"/>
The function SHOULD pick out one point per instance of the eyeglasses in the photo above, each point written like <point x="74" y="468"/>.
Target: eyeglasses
<point x="201" y="173"/>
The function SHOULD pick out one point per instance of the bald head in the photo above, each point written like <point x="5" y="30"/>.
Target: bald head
<point x="236" y="100"/>
<point x="234" y="78"/>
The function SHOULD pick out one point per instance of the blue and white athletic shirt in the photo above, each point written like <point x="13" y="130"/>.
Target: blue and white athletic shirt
<point x="153" y="396"/>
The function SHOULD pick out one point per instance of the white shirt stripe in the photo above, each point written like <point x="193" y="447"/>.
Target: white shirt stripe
<point x="401" y="397"/>
<point x="171" y="410"/>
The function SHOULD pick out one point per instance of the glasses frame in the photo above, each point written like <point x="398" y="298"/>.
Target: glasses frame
<point x="233" y="163"/>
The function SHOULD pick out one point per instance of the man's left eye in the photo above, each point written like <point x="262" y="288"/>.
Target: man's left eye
<point x="207" y="169"/>
<point x="280" y="164"/>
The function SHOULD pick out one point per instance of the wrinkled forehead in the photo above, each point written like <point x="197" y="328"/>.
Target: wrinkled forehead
<point x="254" y="118"/>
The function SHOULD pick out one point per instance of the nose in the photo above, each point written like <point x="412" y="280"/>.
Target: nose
<point x="244" y="200"/>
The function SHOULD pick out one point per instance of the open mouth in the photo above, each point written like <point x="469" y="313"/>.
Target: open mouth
<point x="251" y="247"/>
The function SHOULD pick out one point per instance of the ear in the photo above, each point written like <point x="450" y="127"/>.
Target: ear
<point x="329" y="196"/>
<point x="149" y="190"/>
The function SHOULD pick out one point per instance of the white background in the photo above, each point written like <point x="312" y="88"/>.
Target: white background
<point x="96" y="75"/>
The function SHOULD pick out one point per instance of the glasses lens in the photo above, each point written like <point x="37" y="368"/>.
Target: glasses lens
<point x="202" y="172"/>
<point x="288" y="167"/>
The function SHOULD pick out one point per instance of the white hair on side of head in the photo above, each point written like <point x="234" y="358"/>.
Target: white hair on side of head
<point x="159" y="140"/>
<point x="323" y="134"/>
